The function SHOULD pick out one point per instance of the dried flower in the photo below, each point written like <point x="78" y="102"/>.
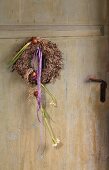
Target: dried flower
<point x="55" y="142"/>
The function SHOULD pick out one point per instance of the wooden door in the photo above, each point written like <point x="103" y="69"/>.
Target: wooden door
<point x="81" y="120"/>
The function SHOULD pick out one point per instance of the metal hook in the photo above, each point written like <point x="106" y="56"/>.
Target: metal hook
<point x="103" y="86"/>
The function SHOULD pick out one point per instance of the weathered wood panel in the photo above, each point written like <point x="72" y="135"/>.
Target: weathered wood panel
<point x="49" y="12"/>
<point x="81" y="121"/>
<point x="24" y="31"/>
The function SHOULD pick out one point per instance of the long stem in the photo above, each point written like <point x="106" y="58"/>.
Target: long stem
<point x="23" y="48"/>
<point x="53" y="98"/>
<point x="48" y="126"/>
<point x="16" y="57"/>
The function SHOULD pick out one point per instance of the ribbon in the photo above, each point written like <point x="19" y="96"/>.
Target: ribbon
<point x="37" y="58"/>
<point x="39" y="70"/>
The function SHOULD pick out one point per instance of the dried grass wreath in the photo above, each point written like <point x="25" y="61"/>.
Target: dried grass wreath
<point x="26" y="64"/>
<point x="39" y="62"/>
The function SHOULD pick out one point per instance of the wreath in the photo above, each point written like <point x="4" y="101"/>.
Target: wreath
<point x="26" y="64"/>
<point x="39" y="62"/>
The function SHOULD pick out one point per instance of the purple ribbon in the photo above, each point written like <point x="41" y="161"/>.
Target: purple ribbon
<point x="38" y="56"/>
<point x="39" y="70"/>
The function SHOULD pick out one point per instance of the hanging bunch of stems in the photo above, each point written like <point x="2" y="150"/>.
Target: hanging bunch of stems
<point x="22" y="63"/>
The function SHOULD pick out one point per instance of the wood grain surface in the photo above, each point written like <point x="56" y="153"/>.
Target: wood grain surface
<point x="80" y="120"/>
<point x="49" y="12"/>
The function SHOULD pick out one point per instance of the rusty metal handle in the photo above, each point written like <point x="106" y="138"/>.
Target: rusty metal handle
<point x="103" y="86"/>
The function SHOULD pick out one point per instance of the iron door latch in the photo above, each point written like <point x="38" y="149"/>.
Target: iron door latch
<point x="103" y="86"/>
